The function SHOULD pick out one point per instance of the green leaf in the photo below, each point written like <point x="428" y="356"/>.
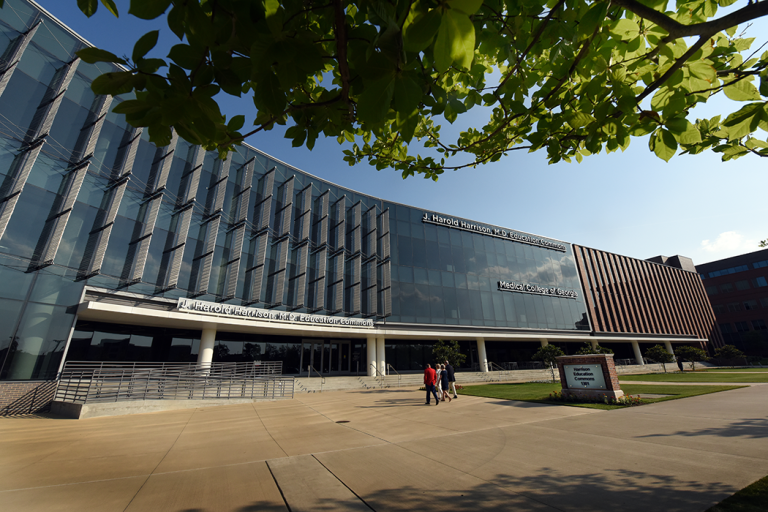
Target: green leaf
<point x="419" y="34"/>
<point x="455" y="41"/>
<point x="468" y="7"/>
<point x="93" y="55"/>
<point x="186" y="56"/>
<point x="113" y="84"/>
<point x="88" y="6"/>
<point x="111" y="7"/>
<point x="663" y="143"/>
<point x="408" y="95"/>
<point x="148" y="9"/>
<point x="742" y="91"/>
<point x="374" y="102"/>
<point x="268" y="95"/>
<point x="592" y="19"/>
<point x="580" y="119"/>
<point x="144" y="44"/>
<point x="236" y="123"/>
<point x="625" y="29"/>
<point x="130" y="107"/>
<point x="703" y="69"/>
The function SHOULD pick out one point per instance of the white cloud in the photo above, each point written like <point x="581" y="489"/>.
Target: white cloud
<point x="729" y="243"/>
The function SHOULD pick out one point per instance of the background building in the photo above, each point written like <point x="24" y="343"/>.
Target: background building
<point x="114" y="250"/>
<point x="738" y="290"/>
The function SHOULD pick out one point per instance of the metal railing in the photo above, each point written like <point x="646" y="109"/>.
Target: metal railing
<point x="82" y="382"/>
<point x="399" y="377"/>
<point x="493" y="367"/>
<point x="378" y="375"/>
<point x="311" y="368"/>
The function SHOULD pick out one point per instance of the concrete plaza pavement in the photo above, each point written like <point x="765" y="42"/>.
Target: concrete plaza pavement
<point x="386" y="450"/>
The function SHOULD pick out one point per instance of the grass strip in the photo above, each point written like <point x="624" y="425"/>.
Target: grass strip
<point x="753" y="498"/>
<point x="757" y="369"/>
<point x="538" y="392"/>
<point x="697" y="377"/>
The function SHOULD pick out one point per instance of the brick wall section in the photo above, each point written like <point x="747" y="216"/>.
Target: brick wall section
<point x="604" y="360"/>
<point x="25" y="397"/>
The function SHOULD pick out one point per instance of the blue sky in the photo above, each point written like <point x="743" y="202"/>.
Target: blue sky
<point x="630" y="203"/>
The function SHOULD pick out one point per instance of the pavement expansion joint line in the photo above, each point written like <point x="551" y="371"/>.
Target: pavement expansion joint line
<point x="343" y="483"/>
<point x="161" y="460"/>
<point x="267" y="430"/>
<point x="280" y="489"/>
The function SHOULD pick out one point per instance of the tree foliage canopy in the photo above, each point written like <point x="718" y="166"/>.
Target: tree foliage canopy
<point x="569" y="77"/>
<point x="587" y="349"/>
<point x="444" y="351"/>
<point x="691" y="354"/>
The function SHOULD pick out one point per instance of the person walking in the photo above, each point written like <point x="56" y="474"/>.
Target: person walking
<point x="444" y="384"/>
<point x="429" y="383"/>
<point x="438" y="381"/>
<point x="451" y="379"/>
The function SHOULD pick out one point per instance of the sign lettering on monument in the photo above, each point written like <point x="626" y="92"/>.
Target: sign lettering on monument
<point x="584" y="376"/>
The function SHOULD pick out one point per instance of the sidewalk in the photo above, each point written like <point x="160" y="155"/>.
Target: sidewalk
<point x="385" y="450"/>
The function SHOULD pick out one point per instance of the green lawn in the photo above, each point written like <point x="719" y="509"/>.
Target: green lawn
<point x="538" y="392"/>
<point x="753" y="498"/>
<point x="756" y="369"/>
<point x="698" y="377"/>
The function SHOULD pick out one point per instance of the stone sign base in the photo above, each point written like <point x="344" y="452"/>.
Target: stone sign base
<point x="591" y="376"/>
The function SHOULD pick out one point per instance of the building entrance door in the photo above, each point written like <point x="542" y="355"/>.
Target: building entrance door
<point x="326" y="357"/>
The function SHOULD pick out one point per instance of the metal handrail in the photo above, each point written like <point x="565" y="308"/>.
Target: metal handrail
<point x="399" y="377"/>
<point x="309" y="375"/>
<point x="105" y="382"/>
<point x="377" y="373"/>
<point x="493" y="367"/>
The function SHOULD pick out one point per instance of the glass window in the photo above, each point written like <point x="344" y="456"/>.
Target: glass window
<point x="750" y="305"/>
<point x="741" y="326"/>
<point x="764" y="302"/>
<point x="734" y="306"/>
<point x="759" y="325"/>
<point x="760" y="264"/>
<point x="52" y="289"/>
<point x="726" y="287"/>
<point x="712" y="290"/>
<point x="742" y="285"/>
<point x="759" y="282"/>
<point x="726" y="328"/>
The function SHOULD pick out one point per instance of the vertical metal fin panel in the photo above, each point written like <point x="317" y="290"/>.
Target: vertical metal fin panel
<point x="221" y="185"/>
<point x="356" y="229"/>
<point x="301" y="279"/>
<point x="370" y="289"/>
<point x="13" y="53"/>
<point x="384" y="237"/>
<point x="245" y="190"/>
<point x="339" y="285"/>
<point x="306" y="214"/>
<point x="324" y="214"/>
<point x="340" y="232"/>
<point x="50" y="239"/>
<point x="322" y="260"/>
<point x="257" y="272"/>
<point x="282" y="265"/>
<point x="17" y="176"/>
<point x="386" y="288"/>
<point x="267" y="184"/>
<point x="98" y="238"/>
<point x="191" y="180"/>
<point x="369" y="245"/>
<point x="179" y="244"/>
<point x="160" y="169"/>
<point x="233" y="265"/>
<point x="356" y="284"/>
<point x="287" y="212"/>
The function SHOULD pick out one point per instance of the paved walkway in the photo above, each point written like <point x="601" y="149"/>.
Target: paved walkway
<point x="385" y="450"/>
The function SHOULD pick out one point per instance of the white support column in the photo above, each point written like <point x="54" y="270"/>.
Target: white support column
<point x="544" y="342"/>
<point x="381" y="363"/>
<point x="594" y="343"/>
<point x="371" y="348"/>
<point x="207" y="341"/>
<point x="638" y="355"/>
<point x="482" y="355"/>
<point x="668" y="346"/>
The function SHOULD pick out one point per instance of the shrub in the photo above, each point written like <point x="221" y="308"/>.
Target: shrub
<point x="626" y="400"/>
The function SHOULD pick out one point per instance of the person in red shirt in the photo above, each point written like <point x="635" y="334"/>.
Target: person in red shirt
<point x="429" y="382"/>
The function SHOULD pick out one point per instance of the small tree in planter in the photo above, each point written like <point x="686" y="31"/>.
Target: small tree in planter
<point x="448" y="351"/>
<point x="660" y="355"/>
<point x="691" y="354"/>
<point x="588" y="349"/>
<point x="549" y="355"/>
<point x="728" y="353"/>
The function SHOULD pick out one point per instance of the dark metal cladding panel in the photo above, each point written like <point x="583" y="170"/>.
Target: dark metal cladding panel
<point x="268" y="184"/>
<point x="287" y="213"/>
<point x="357" y="228"/>
<point x="339" y="285"/>
<point x="257" y="272"/>
<point x="386" y="300"/>
<point x="370" y="233"/>
<point x="340" y="209"/>
<point x="13" y="54"/>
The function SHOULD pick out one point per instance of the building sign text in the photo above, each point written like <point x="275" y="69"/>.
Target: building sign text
<point x="584" y="376"/>
<point x="507" y="286"/>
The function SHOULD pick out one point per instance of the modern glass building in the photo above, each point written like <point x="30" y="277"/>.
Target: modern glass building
<point x="112" y="249"/>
